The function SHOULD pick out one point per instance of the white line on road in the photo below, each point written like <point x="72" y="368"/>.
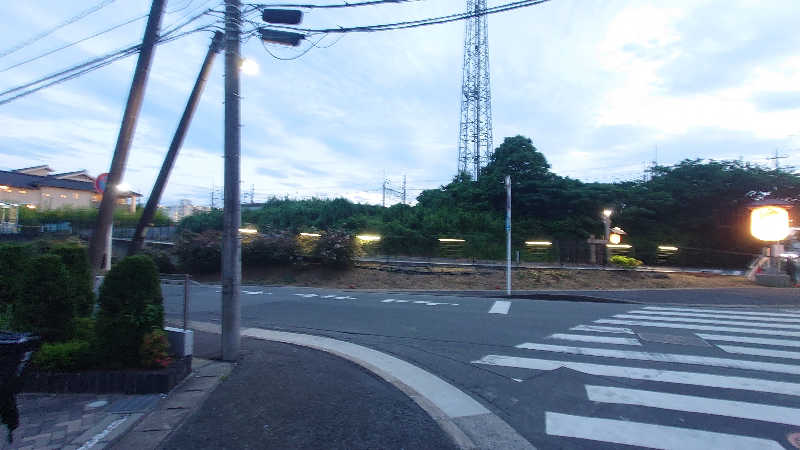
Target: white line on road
<point x="722" y="311"/>
<point x="691" y="326"/>
<point x="637" y="373"/>
<point x="710" y="321"/>
<point x="666" y="357"/>
<point x="500" y="307"/>
<point x="759" y="351"/>
<point x="327" y="296"/>
<point x="596" y="339"/>
<point x="748" y="339"/>
<point x="716" y="316"/>
<point x="601" y="329"/>
<point x="690" y="403"/>
<point x="388" y="300"/>
<point x="648" y="435"/>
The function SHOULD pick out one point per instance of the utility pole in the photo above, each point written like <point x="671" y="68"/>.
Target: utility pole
<point x="232" y="218"/>
<point x="404" y="189"/>
<point x="213" y="188"/>
<point x="174" y="147"/>
<point x="383" y="202"/>
<point x="777" y="159"/>
<point x="131" y="114"/>
<point x="508" y="235"/>
<point x="252" y="193"/>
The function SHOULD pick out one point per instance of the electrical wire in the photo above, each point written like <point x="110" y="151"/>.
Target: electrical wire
<point x="338" y="5"/>
<point x="419" y="23"/>
<point x="50" y="52"/>
<point x="314" y="44"/>
<point x="51" y="30"/>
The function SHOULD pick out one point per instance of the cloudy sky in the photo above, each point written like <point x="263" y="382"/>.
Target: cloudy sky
<point x="603" y="87"/>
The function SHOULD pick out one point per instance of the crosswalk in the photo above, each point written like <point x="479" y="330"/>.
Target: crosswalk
<point x="743" y="378"/>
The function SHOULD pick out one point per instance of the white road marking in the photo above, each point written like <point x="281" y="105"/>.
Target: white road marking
<point x="637" y="373"/>
<point x="500" y="307"/>
<point x="342" y="298"/>
<point x="99" y="436"/>
<point x="518" y="380"/>
<point x="690" y="403"/>
<point x="401" y="301"/>
<point x="716" y="316"/>
<point x="691" y="326"/>
<point x="419" y="302"/>
<point x="602" y="329"/>
<point x="722" y="311"/>
<point x="252" y="292"/>
<point x="328" y="296"/>
<point x="748" y="339"/>
<point x="710" y="321"/>
<point x="759" y="351"/>
<point x="648" y="435"/>
<point x="307" y="295"/>
<point x="597" y="339"/>
<point x="666" y="357"/>
<point x="388" y="300"/>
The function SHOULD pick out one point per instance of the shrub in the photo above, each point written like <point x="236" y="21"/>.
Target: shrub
<point x="625" y="261"/>
<point x="200" y="252"/>
<point x="65" y="356"/>
<point x="45" y="307"/>
<point x="335" y="249"/>
<point x="131" y="305"/>
<point x="14" y="260"/>
<point x="154" y="350"/>
<point x="84" y="329"/>
<point x="276" y="248"/>
<point x="162" y="259"/>
<point x="76" y="260"/>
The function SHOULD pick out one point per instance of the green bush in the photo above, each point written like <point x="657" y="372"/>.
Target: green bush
<point x="131" y="305"/>
<point x="265" y="249"/>
<point x="84" y="329"/>
<point x="335" y="249"/>
<point x="65" y="356"/>
<point x="45" y="307"/>
<point x="162" y="259"/>
<point x="200" y="252"/>
<point x="14" y="260"/>
<point x="76" y="260"/>
<point x="625" y="261"/>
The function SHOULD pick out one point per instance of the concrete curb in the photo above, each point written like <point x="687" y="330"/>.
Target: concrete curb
<point x="468" y="423"/>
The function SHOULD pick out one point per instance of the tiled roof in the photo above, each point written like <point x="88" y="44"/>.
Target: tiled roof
<point x="33" y="181"/>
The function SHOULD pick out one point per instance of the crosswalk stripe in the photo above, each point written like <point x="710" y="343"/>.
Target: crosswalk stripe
<point x="636" y="373"/>
<point x="716" y="316"/>
<point x="748" y="339"/>
<point x="723" y="311"/>
<point x="601" y="329"/>
<point x="690" y="403"/>
<point x="595" y="339"/>
<point x="666" y="357"/>
<point x="500" y="307"/>
<point x="692" y="326"/>
<point x="648" y="435"/>
<point x="759" y="351"/>
<point x="710" y="321"/>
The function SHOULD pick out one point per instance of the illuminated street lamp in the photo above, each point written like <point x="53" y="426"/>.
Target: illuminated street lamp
<point x="769" y="221"/>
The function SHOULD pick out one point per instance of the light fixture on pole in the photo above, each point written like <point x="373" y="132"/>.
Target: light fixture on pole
<point x="769" y="221"/>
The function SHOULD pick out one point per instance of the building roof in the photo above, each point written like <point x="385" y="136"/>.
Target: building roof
<point x="22" y="180"/>
<point x="34" y="168"/>
<point x="78" y="175"/>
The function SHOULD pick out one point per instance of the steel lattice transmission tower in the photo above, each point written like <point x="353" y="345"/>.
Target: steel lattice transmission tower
<point x="475" y="127"/>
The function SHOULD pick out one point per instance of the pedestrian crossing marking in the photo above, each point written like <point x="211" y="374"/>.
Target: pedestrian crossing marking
<point x="695" y="404"/>
<point x="692" y="326"/>
<point x="595" y="339"/>
<point x="748" y="339"/>
<point x="716" y="316"/>
<point x="667" y="358"/>
<point x="649" y="435"/>
<point x="709" y="321"/>
<point x="602" y="329"/>
<point x="638" y="373"/>
<point x="755" y="351"/>
<point x="724" y="311"/>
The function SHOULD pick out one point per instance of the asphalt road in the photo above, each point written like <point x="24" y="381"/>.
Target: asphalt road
<point x="569" y="374"/>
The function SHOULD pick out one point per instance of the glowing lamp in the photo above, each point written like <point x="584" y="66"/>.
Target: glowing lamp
<point x="368" y="237"/>
<point x="769" y="223"/>
<point x="614" y="238"/>
<point x="315" y="235"/>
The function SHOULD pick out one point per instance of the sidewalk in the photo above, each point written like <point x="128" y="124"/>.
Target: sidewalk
<point x="284" y="396"/>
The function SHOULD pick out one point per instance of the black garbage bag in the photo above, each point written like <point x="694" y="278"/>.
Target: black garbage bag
<point x="16" y="350"/>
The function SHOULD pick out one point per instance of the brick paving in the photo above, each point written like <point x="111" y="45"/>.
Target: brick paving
<point x="72" y="421"/>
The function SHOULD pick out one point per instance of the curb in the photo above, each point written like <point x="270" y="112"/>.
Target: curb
<point x="468" y="423"/>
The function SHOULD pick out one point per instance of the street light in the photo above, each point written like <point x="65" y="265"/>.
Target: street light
<point x="248" y="66"/>
<point x="368" y="237"/>
<point x="769" y="223"/>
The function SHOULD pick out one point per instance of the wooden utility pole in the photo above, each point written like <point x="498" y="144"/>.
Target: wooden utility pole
<point x="174" y="147"/>
<point x="232" y="218"/>
<point x="105" y="215"/>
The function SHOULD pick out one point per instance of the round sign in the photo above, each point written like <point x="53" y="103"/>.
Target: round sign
<point x="100" y="182"/>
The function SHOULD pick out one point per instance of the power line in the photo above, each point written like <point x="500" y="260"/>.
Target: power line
<point x="421" y="22"/>
<point x="94" y="64"/>
<point x="50" y="52"/>
<point x="338" y="5"/>
<point x="50" y="31"/>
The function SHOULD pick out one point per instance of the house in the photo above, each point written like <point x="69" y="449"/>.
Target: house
<point x="39" y="188"/>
